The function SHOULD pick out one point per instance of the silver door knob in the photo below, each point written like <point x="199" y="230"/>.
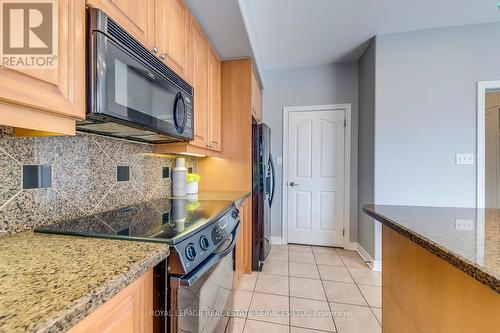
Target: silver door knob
<point x="154" y="50"/>
<point x="293" y="184"/>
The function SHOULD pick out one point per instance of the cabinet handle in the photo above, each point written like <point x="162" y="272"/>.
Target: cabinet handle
<point x="162" y="56"/>
<point x="154" y="50"/>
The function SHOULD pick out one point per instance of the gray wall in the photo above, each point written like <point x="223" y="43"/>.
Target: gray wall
<point x="328" y="84"/>
<point x="366" y="148"/>
<point x="425" y="113"/>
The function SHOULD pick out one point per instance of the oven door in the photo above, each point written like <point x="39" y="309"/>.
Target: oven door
<point x="126" y="89"/>
<point x="202" y="300"/>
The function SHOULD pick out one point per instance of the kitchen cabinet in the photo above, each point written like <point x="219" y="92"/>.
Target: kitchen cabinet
<point x="233" y="172"/>
<point x="136" y="17"/>
<point x="199" y="49"/>
<point x="50" y="100"/>
<point x="214" y="100"/>
<point x="243" y="256"/>
<point x="129" y="311"/>
<point x="172" y="34"/>
<point x="256" y="99"/>
<point x="204" y="69"/>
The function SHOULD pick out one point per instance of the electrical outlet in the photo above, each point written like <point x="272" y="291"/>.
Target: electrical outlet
<point x="464" y="224"/>
<point x="279" y="161"/>
<point x="462" y="159"/>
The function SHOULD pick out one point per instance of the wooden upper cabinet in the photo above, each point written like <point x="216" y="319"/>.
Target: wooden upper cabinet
<point x="136" y="17"/>
<point x="203" y="71"/>
<point x="256" y="99"/>
<point x="172" y="34"/>
<point x="50" y="99"/>
<point x="214" y="102"/>
<point x="199" y="49"/>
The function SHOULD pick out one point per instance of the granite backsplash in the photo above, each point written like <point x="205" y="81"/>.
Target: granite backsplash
<point x="84" y="173"/>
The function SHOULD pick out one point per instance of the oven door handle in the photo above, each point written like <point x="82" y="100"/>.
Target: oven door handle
<point x="191" y="278"/>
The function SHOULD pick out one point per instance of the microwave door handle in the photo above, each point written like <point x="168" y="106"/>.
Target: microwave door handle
<point x="191" y="278"/>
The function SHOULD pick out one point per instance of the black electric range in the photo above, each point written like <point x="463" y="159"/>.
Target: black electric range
<point x="202" y="238"/>
<point x="193" y="228"/>
<point x="166" y="220"/>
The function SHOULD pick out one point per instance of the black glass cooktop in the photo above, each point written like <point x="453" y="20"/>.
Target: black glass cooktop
<point x="163" y="220"/>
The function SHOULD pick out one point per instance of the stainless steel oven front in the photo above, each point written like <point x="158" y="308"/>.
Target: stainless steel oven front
<point x="131" y="93"/>
<point x="202" y="301"/>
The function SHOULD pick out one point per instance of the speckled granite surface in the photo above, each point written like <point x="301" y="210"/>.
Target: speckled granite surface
<point x="467" y="238"/>
<point x="84" y="180"/>
<point x="49" y="283"/>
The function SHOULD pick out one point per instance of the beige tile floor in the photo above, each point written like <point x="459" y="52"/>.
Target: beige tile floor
<point x="309" y="289"/>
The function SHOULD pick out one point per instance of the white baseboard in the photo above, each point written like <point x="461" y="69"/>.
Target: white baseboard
<point x="276" y="240"/>
<point x="351" y="246"/>
<point x="375" y="265"/>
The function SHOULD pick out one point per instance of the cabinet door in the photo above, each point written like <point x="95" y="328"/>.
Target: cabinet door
<point x="136" y="17"/>
<point x="214" y="102"/>
<point x="240" y="246"/>
<point x="59" y="91"/>
<point x="199" y="53"/>
<point x="128" y="311"/>
<point x="171" y="33"/>
<point x="256" y="99"/>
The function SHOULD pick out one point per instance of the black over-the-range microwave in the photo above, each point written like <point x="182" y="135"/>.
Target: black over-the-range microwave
<point x="131" y="93"/>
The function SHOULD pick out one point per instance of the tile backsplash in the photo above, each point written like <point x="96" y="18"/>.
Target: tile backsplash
<point x="87" y="174"/>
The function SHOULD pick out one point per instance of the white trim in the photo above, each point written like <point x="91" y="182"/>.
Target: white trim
<point x="482" y="86"/>
<point x="347" y="165"/>
<point x="375" y="265"/>
<point x="351" y="246"/>
<point x="277" y="240"/>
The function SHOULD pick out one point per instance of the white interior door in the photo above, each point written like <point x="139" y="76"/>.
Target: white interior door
<point x="315" y="207"/>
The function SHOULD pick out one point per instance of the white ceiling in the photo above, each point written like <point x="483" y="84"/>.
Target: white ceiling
<point x="222" y="23"/>
<point x="300" y="33"/>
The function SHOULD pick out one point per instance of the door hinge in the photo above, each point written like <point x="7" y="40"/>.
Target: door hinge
<point x="345" y="122"/>
<point x="343" y="232"/>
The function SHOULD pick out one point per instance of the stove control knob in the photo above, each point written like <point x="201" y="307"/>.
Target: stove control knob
<point x="204" y="243"/>
<point x="190" y="252"/>
<point x="235" y="213"/>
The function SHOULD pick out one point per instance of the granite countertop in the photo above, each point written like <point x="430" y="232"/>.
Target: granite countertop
<point x="236" y="196"/>
<point x="467" y="238"/>
<point x="48" y="283"/>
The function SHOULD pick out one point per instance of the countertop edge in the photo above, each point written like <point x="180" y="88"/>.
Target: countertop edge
<point x="242" y="198"/>
<point x="82" y="307"/>
<point x="459" y="262"/>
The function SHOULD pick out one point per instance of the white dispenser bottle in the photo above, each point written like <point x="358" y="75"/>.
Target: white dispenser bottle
<point x="179" y="178"/>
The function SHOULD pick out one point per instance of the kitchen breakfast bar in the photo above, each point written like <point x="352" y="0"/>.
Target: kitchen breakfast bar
<point x="440" y="268"/>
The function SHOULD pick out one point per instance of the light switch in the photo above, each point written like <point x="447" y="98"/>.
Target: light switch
<point x="464" y="159"/>
<point x="464" y="224"/>
<point x="279" y="161"/>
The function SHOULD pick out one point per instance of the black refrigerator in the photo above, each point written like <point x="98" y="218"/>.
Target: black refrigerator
<point x="263" y="186"/>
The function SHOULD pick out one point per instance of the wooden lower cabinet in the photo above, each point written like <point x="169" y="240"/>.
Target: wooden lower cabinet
<point x="423" y="293"/>
<point x="244" y="241"/>
<point x="130" y="311"/>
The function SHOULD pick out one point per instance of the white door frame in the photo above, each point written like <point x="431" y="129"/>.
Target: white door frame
<point x="347" y="164"/>
<point x="482" y="87"/>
